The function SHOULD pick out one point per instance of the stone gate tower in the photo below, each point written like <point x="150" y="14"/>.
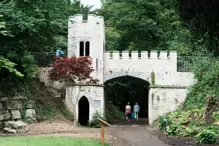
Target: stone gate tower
<point x="87" y="38"/>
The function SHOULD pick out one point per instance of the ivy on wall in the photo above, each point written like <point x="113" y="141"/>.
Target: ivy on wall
<point x="153" y="78"/>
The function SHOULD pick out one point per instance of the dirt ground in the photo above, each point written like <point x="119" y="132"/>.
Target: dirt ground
<point x="64" y="128"/>
<point x="115" y="135"/>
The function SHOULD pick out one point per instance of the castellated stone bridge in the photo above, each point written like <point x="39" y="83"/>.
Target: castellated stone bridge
<point x="167" y="90"/>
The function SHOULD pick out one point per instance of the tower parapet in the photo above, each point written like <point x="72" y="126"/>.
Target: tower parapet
<point x="159" y="55"/>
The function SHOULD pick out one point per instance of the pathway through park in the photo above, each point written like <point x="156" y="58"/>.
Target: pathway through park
<point x="122" y="134"/>
<point x="135" y="135"/>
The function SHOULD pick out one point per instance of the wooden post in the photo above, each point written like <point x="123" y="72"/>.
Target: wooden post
<point x="103" y="124"/>
<point x="102" y="134"/>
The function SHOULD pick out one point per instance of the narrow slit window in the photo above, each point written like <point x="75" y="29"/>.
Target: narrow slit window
<point x="81" y="48"/>
<point x="87" y="49"/>
<point x="97" y="64"/>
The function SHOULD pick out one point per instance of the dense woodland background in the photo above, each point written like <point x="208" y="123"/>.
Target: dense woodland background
<point x="187" y="26"/>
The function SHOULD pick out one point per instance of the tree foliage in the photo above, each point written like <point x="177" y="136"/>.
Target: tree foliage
<point x="5" y="64"/>
<point x="32" y="26"/>
<point x="8" y="65"/>
<point x="201" y="18"/>
<point x="145" y="25"/>
<point x="72" y="70"/>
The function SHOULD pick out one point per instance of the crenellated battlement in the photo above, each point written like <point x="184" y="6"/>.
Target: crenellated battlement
<point x="91" y="18"/>
<point x="141" y="54"/>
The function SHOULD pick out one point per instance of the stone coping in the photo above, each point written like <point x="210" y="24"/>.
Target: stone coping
<point x="98" y="85"/>
<point x="168" y="86"/>
<point x="151" y="86"/>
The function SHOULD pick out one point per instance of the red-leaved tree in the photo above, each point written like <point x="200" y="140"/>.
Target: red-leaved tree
<point x="72" y="70"/>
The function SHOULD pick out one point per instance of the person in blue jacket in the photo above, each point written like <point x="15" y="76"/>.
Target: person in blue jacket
<point x="59" y="53"/>
<point x="136" y="110"/>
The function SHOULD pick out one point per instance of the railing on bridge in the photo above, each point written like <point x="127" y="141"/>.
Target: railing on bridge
<point x="44" y="59"/>
<point x="184" y="63"/>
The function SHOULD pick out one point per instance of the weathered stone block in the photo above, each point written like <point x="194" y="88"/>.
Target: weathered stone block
<point x="3" y="98"/>
<point x="9" y="130"/>
<point x="7" y="116"/>
<point x="1" y="106"/>
<point x="30" y="104"/>
<point x="18" y="97"/>
<point x="16" y="114"/>
<point x="23" y="130"/>
<point x="30" y="120"/>
<point x="1" y="125"/>
<point x="2" y="117"/>
<point x="14" y="105"/>
<point x="30" y="113"/>
<point x="15" y="124"/>
<point x="3" y="111"/>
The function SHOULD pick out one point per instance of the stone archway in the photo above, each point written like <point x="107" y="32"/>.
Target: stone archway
<point x="83" y="111"/>
<point x="140" y="94"/>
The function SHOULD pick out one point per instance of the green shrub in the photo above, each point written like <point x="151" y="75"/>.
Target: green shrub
<point x="214" y="129"/>
<point x="95" y="123"/>
<point x="206" y="137"/>
<point x="113" y="113"/>
<point x="44" y="112"/>
<point x="164" y="122"/>
<point x="66" y="113"/>
<point x="206" y="72"/>
<point x="173" y="130"/>
<point x="216" y="116"/>
<point x="190" y="131"/>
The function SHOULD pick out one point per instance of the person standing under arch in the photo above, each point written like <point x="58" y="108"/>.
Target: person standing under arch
<point x="136" y="110"/>
<point x="128" y="111"/>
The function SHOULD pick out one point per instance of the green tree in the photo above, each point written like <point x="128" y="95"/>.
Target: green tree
<point x="145" y="25"/>
<point x="5" y="63"/>
<point x="36" y="26"/>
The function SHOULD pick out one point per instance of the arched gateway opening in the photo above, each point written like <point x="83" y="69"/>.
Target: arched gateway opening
<point x="119" y="91"/>
<point x="83" y="111"/>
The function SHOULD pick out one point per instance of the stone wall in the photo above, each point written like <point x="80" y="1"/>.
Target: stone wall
<point x="53" y="87"/>
<point x="14" y="108"/>
<point x="164" y="99"/>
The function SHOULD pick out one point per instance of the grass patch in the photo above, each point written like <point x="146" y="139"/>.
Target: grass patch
<point x="48" y="142"/>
